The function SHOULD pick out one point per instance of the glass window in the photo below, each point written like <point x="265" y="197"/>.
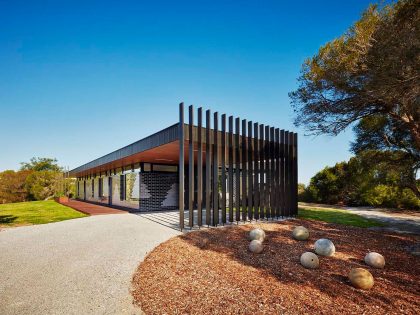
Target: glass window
<point x="101" y="187"/>
<point x="164" y="168"/>
<point x="147" y="167"/>
<point x="122" y="187"/>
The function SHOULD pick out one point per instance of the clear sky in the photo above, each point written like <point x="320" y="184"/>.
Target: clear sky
<point x="79" y="79"/>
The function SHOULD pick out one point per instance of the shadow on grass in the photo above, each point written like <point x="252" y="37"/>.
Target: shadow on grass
<point x="7" y="219"/>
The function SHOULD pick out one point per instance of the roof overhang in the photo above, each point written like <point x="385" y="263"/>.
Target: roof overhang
<point x="158" y="144"/>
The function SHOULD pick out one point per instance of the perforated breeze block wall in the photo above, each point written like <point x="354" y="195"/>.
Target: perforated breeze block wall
<point x="158" y="191"/>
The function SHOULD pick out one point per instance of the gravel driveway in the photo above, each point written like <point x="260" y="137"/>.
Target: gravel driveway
<point x="81" y="266"/>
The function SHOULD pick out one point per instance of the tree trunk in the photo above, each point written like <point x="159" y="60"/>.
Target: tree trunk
<point x="416" y="135"/>
<point x="414" y="189"/>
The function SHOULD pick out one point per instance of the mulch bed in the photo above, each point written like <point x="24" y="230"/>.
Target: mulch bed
<point x="212" y="272"/>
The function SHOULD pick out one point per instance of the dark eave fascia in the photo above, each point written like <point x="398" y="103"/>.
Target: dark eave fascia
<point x="159" y="138"/>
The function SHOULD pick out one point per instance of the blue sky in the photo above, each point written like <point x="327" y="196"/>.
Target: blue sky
<point x="80" y="79"/>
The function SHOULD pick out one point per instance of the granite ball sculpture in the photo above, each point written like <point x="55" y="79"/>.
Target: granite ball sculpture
<point x="309" y="260"/>
<point x="257" y="234"/>
<point x="361" y="278"/>
<point x="255" y="246"/>
<point x="324" y="247"/>
<point x="300" y="233"/>
<point x="375" y="260"/>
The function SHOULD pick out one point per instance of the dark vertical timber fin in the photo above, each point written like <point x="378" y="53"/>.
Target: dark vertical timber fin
<point x="277" y="177"/>
<point x="267" y="172"/>
<point x="295" y="160"/>
<point x="223" y="168"/>
<point x="287" y="174"/>
<point x="191" y="167"/>
<point x="208" y="167"/>
<point x="250" y="173"/>
<point x="237" y="170"/>
<point x="282" y="174"/>
<point x="262" y="173"/>
<point x="244" y="170"/>
<point x="181" y="166"/>
<point x="230" y="173"/>
<point x="256" y="174"/>
<point x="200" y="167"/>
<point x="215" y="170"/>
<point x="273" y="175"/>
<point x="291" y="172"/>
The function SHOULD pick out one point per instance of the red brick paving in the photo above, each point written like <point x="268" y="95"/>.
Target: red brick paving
<point x="91" y="209"/>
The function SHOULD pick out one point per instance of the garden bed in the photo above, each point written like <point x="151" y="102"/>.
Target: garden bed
<point x="212" y="271"/>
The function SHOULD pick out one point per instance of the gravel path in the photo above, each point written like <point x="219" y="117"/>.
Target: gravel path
<point x="81" y="266"/>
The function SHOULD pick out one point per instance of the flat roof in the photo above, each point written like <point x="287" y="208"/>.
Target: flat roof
<point x="157" y="139"/>
<point x="160" y="147"/>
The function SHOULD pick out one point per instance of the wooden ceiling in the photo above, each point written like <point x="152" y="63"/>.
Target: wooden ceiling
<point x="164" y="154"/>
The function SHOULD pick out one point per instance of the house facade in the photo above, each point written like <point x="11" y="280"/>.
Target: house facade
<point x="213" y="171"/>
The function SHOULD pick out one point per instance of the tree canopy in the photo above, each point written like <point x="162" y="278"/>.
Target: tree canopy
<point x="38" y="164"/>
<point x="360" y="182"/>
<point x="369" y="78"/>
<point x="372" y="69"/>
<point x="376" y="140"/>
<point x="12" y="186"/>
<point x="38" y="179"/>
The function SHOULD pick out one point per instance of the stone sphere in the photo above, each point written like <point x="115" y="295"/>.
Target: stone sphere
<point x="375" y="260"/>
<point x="324" y="247"/>
<point x="256" y="246"/>
<point x="300" y="233"/>
<point x="361" y="278"/>
<point x="257" y="234"/>
<point x="309" y="260"/>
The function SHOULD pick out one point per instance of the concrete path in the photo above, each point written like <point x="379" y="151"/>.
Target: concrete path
<point x="80" y="266"/>
<point x="395" y="220"/>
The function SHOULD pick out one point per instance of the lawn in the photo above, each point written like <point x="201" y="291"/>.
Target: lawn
<point x="337" y="216"/>
<point x="35" y="212"/>
<point x="333" y="216"/>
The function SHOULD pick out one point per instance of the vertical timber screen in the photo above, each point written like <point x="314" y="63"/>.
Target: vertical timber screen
<point x="243" y="171"/>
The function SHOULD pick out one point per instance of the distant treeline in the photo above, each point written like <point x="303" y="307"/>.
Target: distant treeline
<point x="362" y="181"/>
<point x="40" y="179"/>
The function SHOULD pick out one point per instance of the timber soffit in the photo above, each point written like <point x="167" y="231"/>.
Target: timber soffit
<point x="167" y="135"/>
<point x="159" y="138"/>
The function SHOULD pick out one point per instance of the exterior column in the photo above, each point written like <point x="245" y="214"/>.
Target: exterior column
<point x="181" y="166"/>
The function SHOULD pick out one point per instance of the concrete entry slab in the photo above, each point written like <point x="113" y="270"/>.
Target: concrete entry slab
<point x="171" y="219"/>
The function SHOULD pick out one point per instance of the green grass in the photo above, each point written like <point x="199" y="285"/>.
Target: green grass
<point x="337" y="216"/>
<point x="333" y="216"/>
<point x="35" y="212"/>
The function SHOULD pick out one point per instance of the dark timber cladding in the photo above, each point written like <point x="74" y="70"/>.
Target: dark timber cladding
<point x="250" y="170"/>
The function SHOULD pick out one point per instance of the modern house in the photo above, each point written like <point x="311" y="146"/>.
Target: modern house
<point x="244" y="170"/>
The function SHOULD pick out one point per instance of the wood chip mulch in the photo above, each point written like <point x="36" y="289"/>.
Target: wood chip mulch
<point x="212" y="272"/>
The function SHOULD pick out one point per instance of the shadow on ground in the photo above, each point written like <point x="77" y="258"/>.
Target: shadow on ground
<point x="218" y="259"/>
<point x="7" y="219"/>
